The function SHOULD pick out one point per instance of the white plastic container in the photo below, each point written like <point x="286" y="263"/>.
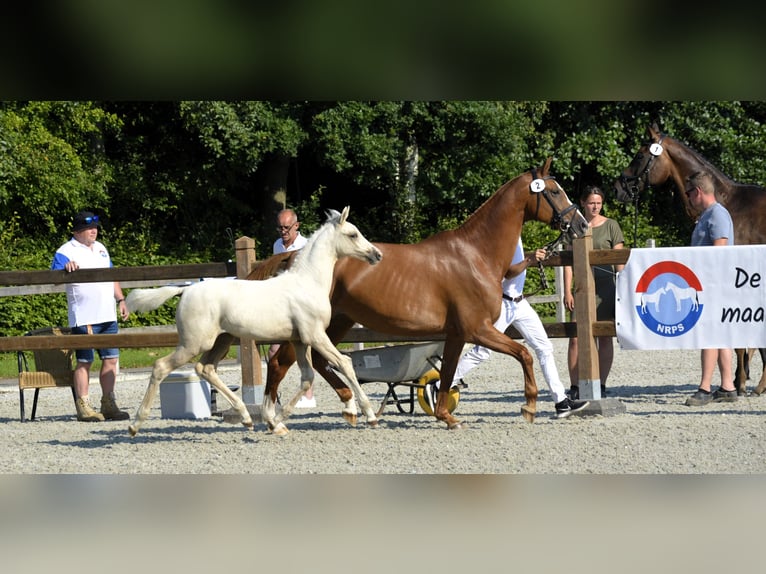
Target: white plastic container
<point x="183" y="395"/>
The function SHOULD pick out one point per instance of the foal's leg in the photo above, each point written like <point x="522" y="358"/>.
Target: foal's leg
<point x="303" y="356"/>
<point x="206" y="368"/>
<point x="343" y="363"/>
<point x="280" y="363"/>
<point x="162" y="368"/>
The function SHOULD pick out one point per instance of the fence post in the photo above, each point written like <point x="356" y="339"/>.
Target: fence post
<point x="589" y="378"/>
<point x="561" y="312"/>
<point x="252" y="378"/>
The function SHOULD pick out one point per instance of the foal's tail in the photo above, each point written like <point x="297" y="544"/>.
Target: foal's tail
<point x="143" y="300"/>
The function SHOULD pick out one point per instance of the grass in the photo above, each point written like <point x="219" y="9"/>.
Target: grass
<point x="129" y="359"/>
<point x="135" y="358"/>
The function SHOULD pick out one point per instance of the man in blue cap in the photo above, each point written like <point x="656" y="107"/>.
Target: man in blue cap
<point x="91" y="308"/>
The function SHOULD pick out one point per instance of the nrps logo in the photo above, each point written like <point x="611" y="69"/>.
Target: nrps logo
<point x="669" y="294"/>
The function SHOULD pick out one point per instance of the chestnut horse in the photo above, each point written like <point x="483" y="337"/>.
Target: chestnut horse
<point x="448" y="285"/>
<point x="662" y="159"/>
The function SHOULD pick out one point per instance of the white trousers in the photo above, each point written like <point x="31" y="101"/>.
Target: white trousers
<point x="527" y="322"/>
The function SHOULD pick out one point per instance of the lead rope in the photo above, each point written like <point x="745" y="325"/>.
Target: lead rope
<point x="549" y="249"/>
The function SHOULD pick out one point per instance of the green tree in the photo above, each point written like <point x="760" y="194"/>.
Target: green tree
<point x="52" y="163"/>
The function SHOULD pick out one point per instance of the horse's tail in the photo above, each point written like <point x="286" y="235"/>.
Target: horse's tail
<point x="143" y="300"/>
<point x="272" y="266"/>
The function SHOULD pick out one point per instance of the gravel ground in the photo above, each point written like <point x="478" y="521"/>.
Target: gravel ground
<point x="657" y="434"/>
<point x="312" y="500"/>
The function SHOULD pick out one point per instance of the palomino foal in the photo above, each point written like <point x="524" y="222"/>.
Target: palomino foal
<point x="293" y="306"/>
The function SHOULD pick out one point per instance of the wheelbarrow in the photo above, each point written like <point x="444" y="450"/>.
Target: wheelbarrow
<point x="411" y="365"/>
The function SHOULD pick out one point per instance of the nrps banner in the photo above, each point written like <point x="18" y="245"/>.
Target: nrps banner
<point x="692" y="298"/>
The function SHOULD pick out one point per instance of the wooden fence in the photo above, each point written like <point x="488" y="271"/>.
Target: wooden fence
<point x="20" y="283"/>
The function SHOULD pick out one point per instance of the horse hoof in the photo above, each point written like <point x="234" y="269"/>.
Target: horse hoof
<point x="373" y="424"/>
<point x="350" y="419"/>
<point x="248" y="425"/>
<point x="280" y="430"/>
<point x="455" y="426"/>
<point x="528" y="414"/>
<point x="132" y="430"/>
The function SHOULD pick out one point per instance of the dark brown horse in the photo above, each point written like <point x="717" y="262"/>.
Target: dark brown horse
<point x="662" y="160"/>
<point x="448" y="285"/>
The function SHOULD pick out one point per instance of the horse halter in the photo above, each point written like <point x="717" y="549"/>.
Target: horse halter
<point x="538" y="186"/>
<point x="631" y="182"/>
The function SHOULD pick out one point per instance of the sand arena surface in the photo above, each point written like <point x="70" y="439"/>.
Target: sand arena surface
<point x="657" y="434"/>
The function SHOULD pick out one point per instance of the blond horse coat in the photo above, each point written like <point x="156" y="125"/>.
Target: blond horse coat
<point x="293" y="306"/>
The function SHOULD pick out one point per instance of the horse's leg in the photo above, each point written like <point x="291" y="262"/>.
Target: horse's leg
<point x="742" y="372"/>
<point x="303" y="356"/>
<point x="221" y="346"/>
<point x="276" y="369"/>
<point x="162" y="368"/>
<point x="335" y="358"/>
<point x="450" y="357"/>
<point x="339" y="326"/>
<point x="281" y="362"/>
<point x="345" y="394"/>
<point x="493" y="339"/>
<point x="206" y="368"/>
<point x="758" y="390"/>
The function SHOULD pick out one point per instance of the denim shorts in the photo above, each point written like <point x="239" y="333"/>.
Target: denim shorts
<point x="86" y="355"/>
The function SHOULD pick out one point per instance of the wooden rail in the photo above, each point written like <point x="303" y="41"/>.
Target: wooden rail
<point x="166" y="336"/>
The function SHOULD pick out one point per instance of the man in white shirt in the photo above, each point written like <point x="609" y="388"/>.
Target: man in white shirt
<point x="290" y="239"/>
<point x="91" y="309"/>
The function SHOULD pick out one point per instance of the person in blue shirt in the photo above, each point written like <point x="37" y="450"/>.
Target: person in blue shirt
<point x="714" y="227"/>
<point x="91" y="310"/>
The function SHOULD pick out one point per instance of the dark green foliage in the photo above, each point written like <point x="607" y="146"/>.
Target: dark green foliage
<point x="178" y="182"/>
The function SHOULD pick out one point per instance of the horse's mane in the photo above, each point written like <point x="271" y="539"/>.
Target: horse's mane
<point x="281" y="262"/>
<point x="709" y="167"/>
<point x="478" y="217"/>
<point x="272" y="266"/>
<point x="303" y="254"/>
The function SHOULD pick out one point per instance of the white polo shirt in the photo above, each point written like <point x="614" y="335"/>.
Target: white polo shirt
<point x="88" y="303"/>
<point x="300" y="242"/>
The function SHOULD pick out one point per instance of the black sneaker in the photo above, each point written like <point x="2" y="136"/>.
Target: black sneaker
<point x="568" y="406"/>
<point x="699" y="398"/>
<point x="721" y="396"/>
<point x="573" y="392"/>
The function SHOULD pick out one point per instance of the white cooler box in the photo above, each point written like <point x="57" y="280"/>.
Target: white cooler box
<point x="183" y="395"/>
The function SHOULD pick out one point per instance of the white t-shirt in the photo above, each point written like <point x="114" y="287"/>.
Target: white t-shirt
<point x="514" y="286"/>
<point x="88" y="303"/>
<point x="299" y="242"/>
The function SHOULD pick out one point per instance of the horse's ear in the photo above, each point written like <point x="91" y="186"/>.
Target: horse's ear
<point x="344" y="215"/>
<point x="546" y="167"/>
<point x="653" y="131"/>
